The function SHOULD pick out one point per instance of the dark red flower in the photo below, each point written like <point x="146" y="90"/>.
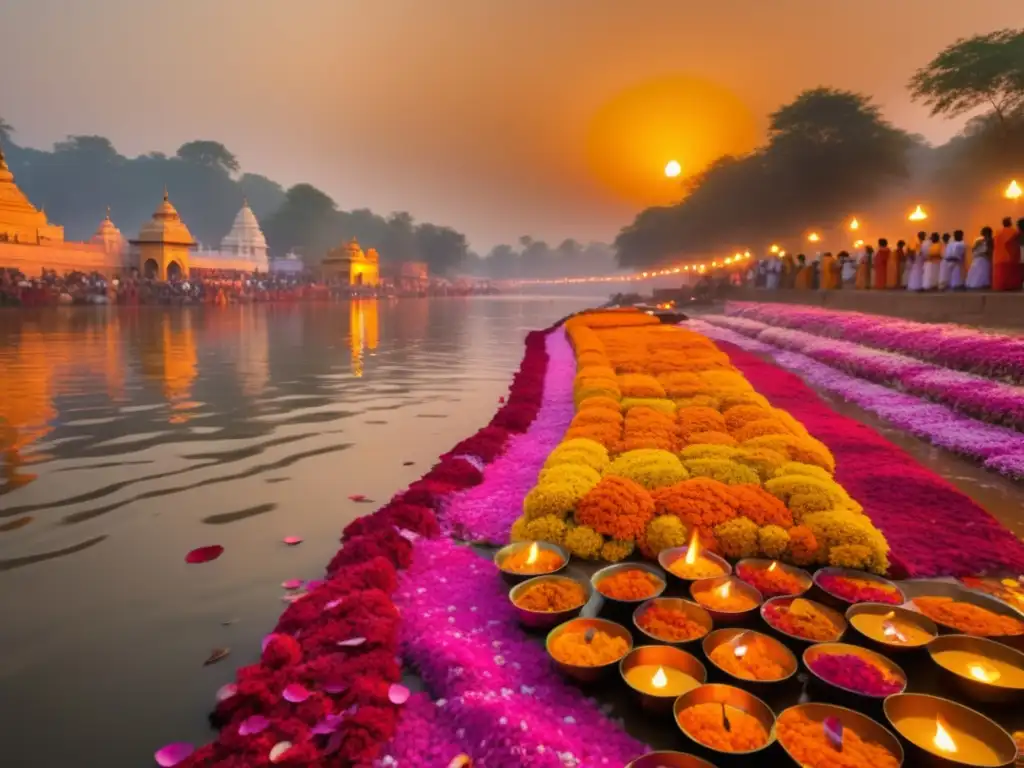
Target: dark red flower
<point x="281" y="650"/>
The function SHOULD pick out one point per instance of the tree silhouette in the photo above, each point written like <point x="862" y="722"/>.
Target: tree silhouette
<point x="6" y="129"/>
<point x="209" y="154"/>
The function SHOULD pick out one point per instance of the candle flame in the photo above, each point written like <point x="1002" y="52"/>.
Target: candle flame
<point x="918" y="214"/>
<point x="660" y="679"/>
<point x="983" y="672"/>
<point x="942" y="738"/>
<point x="1013" y="192"/>
<point x="725" y="590"/>
<point x="773" y="566"/>
<point x="774" y="249"/>
<point x="693" y="550"/>
<point x="814" y="237"/>
<point x="740" y="651"/>
<point x="534" y="552"/>
<point x="855" y="225"/>
<point x="890" y="630"/>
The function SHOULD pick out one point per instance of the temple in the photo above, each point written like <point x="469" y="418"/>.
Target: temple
<point x="350" y="264"/>
<point x="163" y="244"/>
<point x="20" y="221"/>
<point x="244" y="249"/>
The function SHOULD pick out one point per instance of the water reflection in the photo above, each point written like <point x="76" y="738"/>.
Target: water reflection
<point x="365" y="333"/>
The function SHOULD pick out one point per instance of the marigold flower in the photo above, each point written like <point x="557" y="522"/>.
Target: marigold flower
<point x="803" y="547"/>
<point x="606" y="403"/>
<point x="798" y="468"/>
<point x="740" y="415"/>
<point x="649" y="468"/>
<point x="615" y="550"/>
<point x="804" y="494"/>
<point x="697" y="401"/>
<point x="579" y="451"/>
<point x="773" y="541"/>
<point x="725" y="380"/>
<point x="605" y="434"/>
<point x="518" y="531"/>
<point x="682" y="384"/>
<point x="792" y="424"/>
<point x="584" y="542"/>
<point x="730" y="398"/>
<point x="646" y="419"/>
<point x="710" y="451"/>
<point x="856" y="556"/>
<point x="557" y="498"/>
<point x="836" y="528"/>
<point x="760" y="506"/>
<point x="616" y="507"/>
<point x="649" y="441"/>
<point x="591" y="357"/>
<point x="664" y="532"/>
<point x="570" y="473"/>
<point x="738" y="537"/>
<point x="640" y="385"/>
<point x="759" y="428"/>
<point x="714" y="438"/>
<point x="596" y="388"/>
<point x="723" y="470"/>
<point x="802" y="449"/>
<point x="597" y="416"/>
<point x="764" y="461"/>
<point x="699" y="502"/>
<point x="547" y="528"/>
<point x="594" y="372"/>
<point x="662" y="405"/>
<point x="698" y="419"/>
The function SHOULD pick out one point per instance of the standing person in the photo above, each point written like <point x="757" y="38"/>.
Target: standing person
<point x="880" y="272"/>
<point x="774" y="271"/>
<point x="1006" y="272"/>
<point x="803" y="274"/>
<point x="952" y="276"/>
<point x="894" y="271"/>
<point x="943" y="281"/>
<point x="979" y="276"/>
<point x="915" y="279"/>
<point x="863" y="274"/>
<point x="829" y="272"/>
<point x="847" y="268"/>
<point x="933" y="259"/>
<point x="788" y="271"/>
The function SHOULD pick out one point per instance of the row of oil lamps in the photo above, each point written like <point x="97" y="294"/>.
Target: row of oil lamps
<point x="933" y="731"/>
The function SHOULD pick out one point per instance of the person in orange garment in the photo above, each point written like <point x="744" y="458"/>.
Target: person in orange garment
<point x="897" y="262"/>
<point x="1006" y="272"/>
<point x="881" y="264"/>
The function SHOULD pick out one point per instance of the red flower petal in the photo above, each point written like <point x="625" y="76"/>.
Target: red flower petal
<point x="204" y="554"/>
<point x="291" y="541"/>
<point x="292" y="584"/>
<point x="295" y="693"/>
<point x="357" y="497"/>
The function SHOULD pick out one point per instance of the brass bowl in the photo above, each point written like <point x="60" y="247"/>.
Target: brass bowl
<point x="730" y="696"/>
<point x="866" y="728"/>
<point x="930" y="588"/>
<point x="779" y="652"/>
<point x="905" y="615"/>
<point x="669" y="760"/>
<point x="512" y="577"/>
<point x="588" y="674"/>
<point x="956" y="717"/>
<point x="822" y="595"/>
<point x="798" y="641"/>
<point x="623" y="609"/>
<point x="969" y="686"/>
<point x="695" y="612"/>
<point x="763" y="564"/>
<point x="662" y="656"/>
<point x="668" y="556"/>
<point x="845" y="649"/>
<point x="728" y="618"/>
<point x="547" y="619"/>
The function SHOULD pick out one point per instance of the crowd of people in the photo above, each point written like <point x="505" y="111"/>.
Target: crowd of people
<point x="994" y="261"/>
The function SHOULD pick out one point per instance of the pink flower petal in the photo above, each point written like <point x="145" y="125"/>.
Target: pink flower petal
<point x="314" y="584"/>
<point x="501" y="399"/>
<point x="292" y="584"/>
<point x="408" y="535"/>
<point x="291" y="541"/>
<point x="333" y="604"/>
<point x="294" y="597"/>
<point x="335" y="688"/>
<point x="253" y="725"/>
<point x="357" y="497"/>
<point x="296" y="693"/>
<point x="266" y="641"/>
<point x="204" y="554"/>
<point x="225" y="692"/>
<point x="352" y="642"/>
<point x="278" y="751"/>
<point x="398" y="694"/>
<point x="172" y="754"/>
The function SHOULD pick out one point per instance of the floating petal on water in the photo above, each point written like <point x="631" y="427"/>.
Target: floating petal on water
<point x="172" y="754"/>
<point x="292" y="584"/>
<point x="296" y="693"/>
<point x="398" y="694"/>
<point x="216" y="655"/>
<point x="204" y="554"/>
<point x="357" y="497"/>
<point x="291" y="541"/>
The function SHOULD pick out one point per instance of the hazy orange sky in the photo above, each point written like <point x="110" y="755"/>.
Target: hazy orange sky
<point x="473" y="113"/>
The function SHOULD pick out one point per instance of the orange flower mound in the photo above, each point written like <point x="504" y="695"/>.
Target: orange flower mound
<point x="649" y="440"/>
<point x="640" y="385"/>
<point x="807" y="743"/>
<point x="969" y="619"/>
<point x="596" y="416"/>
<point x="629" y="584"/>
<point x="605" y="434"/>
<point x="700" y="419"/>
<point x="761" y="507"/>
<point x="552" y="595"/>
<point x="648" y="428"/>
<point x="600" y="402"/>
<point x="739" y="416"/>
<point x="732" y="602"/>
<point x="571" y="647"/>
<point x="616" y="507"/>
<point x="760" y="428"/>
<point x="755" y="664"/>
<point x="546" y="562"/>
<point x="682" y="384"/>
<point x="705" y="724"/>
<point x="700" y="502"/>
<point x="710" y="438"/>
<point x="803" y="546"/>
<point x="672" y="626"/>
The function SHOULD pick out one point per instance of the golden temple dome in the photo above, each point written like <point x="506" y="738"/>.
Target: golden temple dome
<point x="353" y="247"/>
<point x="166" y="226"/>
<point x="372" y="255"/>
<point x="6" y="177"/>
<point x="108" y="235"/>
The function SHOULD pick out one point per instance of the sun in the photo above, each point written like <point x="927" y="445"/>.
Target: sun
<point x="673" y="169"/>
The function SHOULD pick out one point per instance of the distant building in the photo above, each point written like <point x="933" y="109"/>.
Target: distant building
<point x="162" y="248"/>
<point x="244" y="249"/>
<point x="350" y="264"/>
<point x="290" y="264"/>
<point x="407" y="276"/>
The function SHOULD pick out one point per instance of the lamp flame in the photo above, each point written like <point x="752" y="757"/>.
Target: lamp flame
<point x="773" y="566"/>
<point x="918" y="214"/>
<point x="693" y="550"/>
<point x="739" y="647"/>
<point x="814" y="237"/>
<point x="942" y="738"/>
<point x="774" y="249"/>
<point x="854" y="225"/>
<point x="531" y="558"/>
<point x="660" y="679"/>
<point x="725" y="590"/>
<point x="890" y="630"/>
<point x="858" y="244"/>
<point x="1013" y="192"/>
<point x="983" y="672"/>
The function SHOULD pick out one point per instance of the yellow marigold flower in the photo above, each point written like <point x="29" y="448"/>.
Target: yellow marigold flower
<point x="837" y="528"/>
<point x="584" y="542"/>
<point x="615" y="550"/>
<point x="640" y="385"/>
<point x="518" y="532"/>
<point x="803" y="449"/>
<point x="666" y="532"/>
<point x="594" y="372"/>
<point x="659" y="404"/>
<point x="855" y="556"/>
<point x="791" y="423"/>
<point x="722" y="470"/>
<point x="764" y="461"/>
<point x="596" y="388"/>
<point x="570" y="473"/>
<point x="547" y="528"/>
<point x="710" y="451"/>
<point x="738" y="537"/>
<point x="773" y="541"/>
<point x="803" y="547"/>
<point x="740" y="415"/>
<point x="607" y="403"/>
<point x="715" y="438"/>
<point x="730" y="398"/>
<point x="797" y="468"/>
<point x="725" y="380"/>
<point x="558" y="498"/>
<point x="650" y="468"/>
<point x="759" y="428"/>
<point x="804" y="494"/>
<point x="579" y="451"/>
<point x="697" y="401"/>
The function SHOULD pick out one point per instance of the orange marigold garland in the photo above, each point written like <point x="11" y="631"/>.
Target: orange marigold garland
<point x="698" y="502"/>
<point x="616" y="507"/>
<point x="760" y="506"/>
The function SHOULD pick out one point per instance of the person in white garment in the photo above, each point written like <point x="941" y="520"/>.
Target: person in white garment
<point x="951" y="273"/>
<point x="916" y="268"/>
<point x="774" y="273"/>
<point x="848" y="267"/>
<point x="979" y="276"/>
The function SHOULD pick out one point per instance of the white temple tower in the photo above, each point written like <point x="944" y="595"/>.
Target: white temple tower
<point x="246" y="240"/>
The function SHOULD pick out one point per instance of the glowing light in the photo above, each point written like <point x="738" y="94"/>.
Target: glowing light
<point x="983" y="672"/>
<point x="858" y="243"/>
<point x="774" y="248"/>
<point x="1013" y="192"/>
<point x="854" y="224"/>
<point x="814" y="237"/>
<point x="942" y="738"/>
<point x="773" y="566"/>
<point x="534" y="552"/>
<point x="746" y="254"/>
<point x="673" y="169"/>
<point x="918" y="214"/>
<point x="693" y="550"/>
<point x="739" y="648"/>
<point x="725" y="590"/>
<point x="660" y="679"/>
<point x="890" y="630"/>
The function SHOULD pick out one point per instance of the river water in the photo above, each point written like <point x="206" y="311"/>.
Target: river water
<point x="130" y="436"/>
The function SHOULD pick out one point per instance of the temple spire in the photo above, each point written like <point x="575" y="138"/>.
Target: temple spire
<point x="165" y="193"/>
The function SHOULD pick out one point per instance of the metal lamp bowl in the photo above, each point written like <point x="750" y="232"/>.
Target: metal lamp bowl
<point x="822" y="649"/>
<point x="669" y="760"/>
<point x="960" y="718"/>
<point x="905" y="615"/>
<point x="866" y="728"/>
<point x="588" y="674"/>
<point x="930" y="588"/>
<point x="663" y="656"/>
<point x="547" y="619"/>
<point x="727" y="618"/>
<point x="779" y="652"/>
<point x="978" y="690"/>
<point x="668" y="556"/>
<point x="824" y="596"/>
<point x="733" y="697"/>
<point x="512" y="577"/>
<point x="764" y="564"/>
<point x="695" y="612"/>
<point x="798" y="640"/>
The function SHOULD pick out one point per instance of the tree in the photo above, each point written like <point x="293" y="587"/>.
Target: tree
<point x="210" y="154"/>
<point x="307" y="222"/>
<point x="264" y="195"/>
<point x="6" y="129"/>
<point x="442" y="248"/>
<point x="980" y="71"/>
